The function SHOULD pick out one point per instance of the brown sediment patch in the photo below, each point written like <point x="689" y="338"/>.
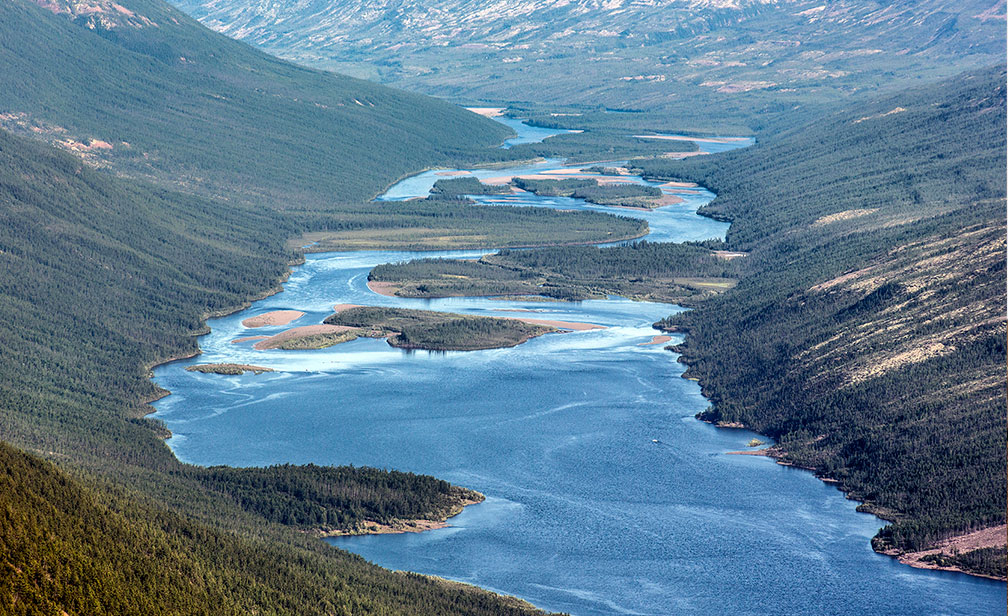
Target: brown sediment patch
<point x="277" y="317"/>
<point x="678" y="185"/>
<point x="381" y="287"/>
<point x="248" y="339"/>
<point x="660" y="339"/>
<point x="342" y="307"/>
<point x="488" y="112"/>
<point x="987" y="538"/>
<point x="298" y="332"/>
<point x="562" y="324"/>
<point x="667" y="199"/>
<point x="452" y="174"/>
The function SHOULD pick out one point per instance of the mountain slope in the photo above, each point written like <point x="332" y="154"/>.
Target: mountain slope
<point x="867" y="333"/>
<point x="666" y="54"/>
<point x="101" y="277"/>
<point x="67" y="547"/>
<point x="143" y="88"/>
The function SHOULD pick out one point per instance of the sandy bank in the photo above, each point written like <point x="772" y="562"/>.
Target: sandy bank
<point x="387" y="289"/>
<point x="678" y="185"/>
<point x="248" y="339"/>
<point x="342" y="307"/>
<point x="488" y="112"/>
<point x="660" y="339"/>
<point x="298" y="332"/>
<point x="560" y="324"/>
<point x="277" y="317"/>
<point x="367" y="527"/>
<point x="993" y="537"/>
<point x="452" y="174"/>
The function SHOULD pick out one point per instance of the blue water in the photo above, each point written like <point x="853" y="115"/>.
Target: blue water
<point x="585" y="511"/>
<point x="527" y="133"/>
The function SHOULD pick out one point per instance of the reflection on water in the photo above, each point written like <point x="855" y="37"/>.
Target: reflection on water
<point x="605" y="495"/>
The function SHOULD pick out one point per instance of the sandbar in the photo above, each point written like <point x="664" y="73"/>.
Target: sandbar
<point x="452" y="174"/>
<point x="277" y="317"/>
<point x="992" y="537"/>
<point x="561" y="324"/>
<point x="248" y="339"/>
<point x="298" y="332"/>
<point x="488" y="112"/>
<point x="659" y="339"/>
<point x="382" y="287"/>
<point x="367" y="527"/>
<point x="342" y="307"/>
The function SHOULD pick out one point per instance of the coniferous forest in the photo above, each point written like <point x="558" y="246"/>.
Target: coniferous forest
<point x="154" y="173"/>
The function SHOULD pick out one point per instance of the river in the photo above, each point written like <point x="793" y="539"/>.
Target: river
<point x="604" y="494"/>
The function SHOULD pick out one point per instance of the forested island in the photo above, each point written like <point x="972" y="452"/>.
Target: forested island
<point x="228" y="369"/>
<point x="675" y="273"/>
<point x="436" y="331"/>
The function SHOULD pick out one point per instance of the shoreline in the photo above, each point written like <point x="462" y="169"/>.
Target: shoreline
<point x="911" y="559"/>
<point x="399" y="527"/>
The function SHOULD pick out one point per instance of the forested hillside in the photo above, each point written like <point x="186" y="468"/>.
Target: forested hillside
<point x="101" y="278"/>
<point x="141" y="87"/>
<point x="867" y="333"/>
<point x="70" y="548"/>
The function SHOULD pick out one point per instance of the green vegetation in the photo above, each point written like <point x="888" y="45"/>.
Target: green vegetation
<point x="103" y="278"/>
<point x="227" y="369"/>
<point x="619" y="195"/>
<point x="456" y="187"/>
<point x="679" y="273"/>
<point x="189" y="108"/>
<point x="985" y="561"/>
<point x="876" y="238"/>
<point x="341" y="499"/>
<point x="437" y="331"/>
<point x="316" y="341"/>
<point x="598" y="143"/>
<point x="86" y="547"/>
<point x="452" y="225"/>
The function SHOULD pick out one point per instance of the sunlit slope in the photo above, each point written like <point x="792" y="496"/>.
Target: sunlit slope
<point x="867" y="333"/>
<point x="72" y="547"/>
<point x="145" y="89"/>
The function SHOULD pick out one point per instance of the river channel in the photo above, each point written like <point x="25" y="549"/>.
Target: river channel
<point x="604" y="494"/>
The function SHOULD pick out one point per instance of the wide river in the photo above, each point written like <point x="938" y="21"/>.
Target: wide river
<point x="604" y="494"/>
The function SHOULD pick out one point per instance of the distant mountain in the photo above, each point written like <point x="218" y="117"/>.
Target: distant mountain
<point x="623" y="53"/>
<point x="140" y="87"/>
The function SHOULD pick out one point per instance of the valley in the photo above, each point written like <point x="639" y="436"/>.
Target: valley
<point x="279" y="340"/>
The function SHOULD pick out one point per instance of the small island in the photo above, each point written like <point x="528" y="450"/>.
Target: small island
<point x="436" y="331"/>
<point x="227" y="369"/>
<point x="665" y="272"/>
<point x="610" y="192"/>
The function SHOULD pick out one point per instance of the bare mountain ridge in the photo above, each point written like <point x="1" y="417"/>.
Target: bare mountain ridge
<point x="622" y="53"/>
